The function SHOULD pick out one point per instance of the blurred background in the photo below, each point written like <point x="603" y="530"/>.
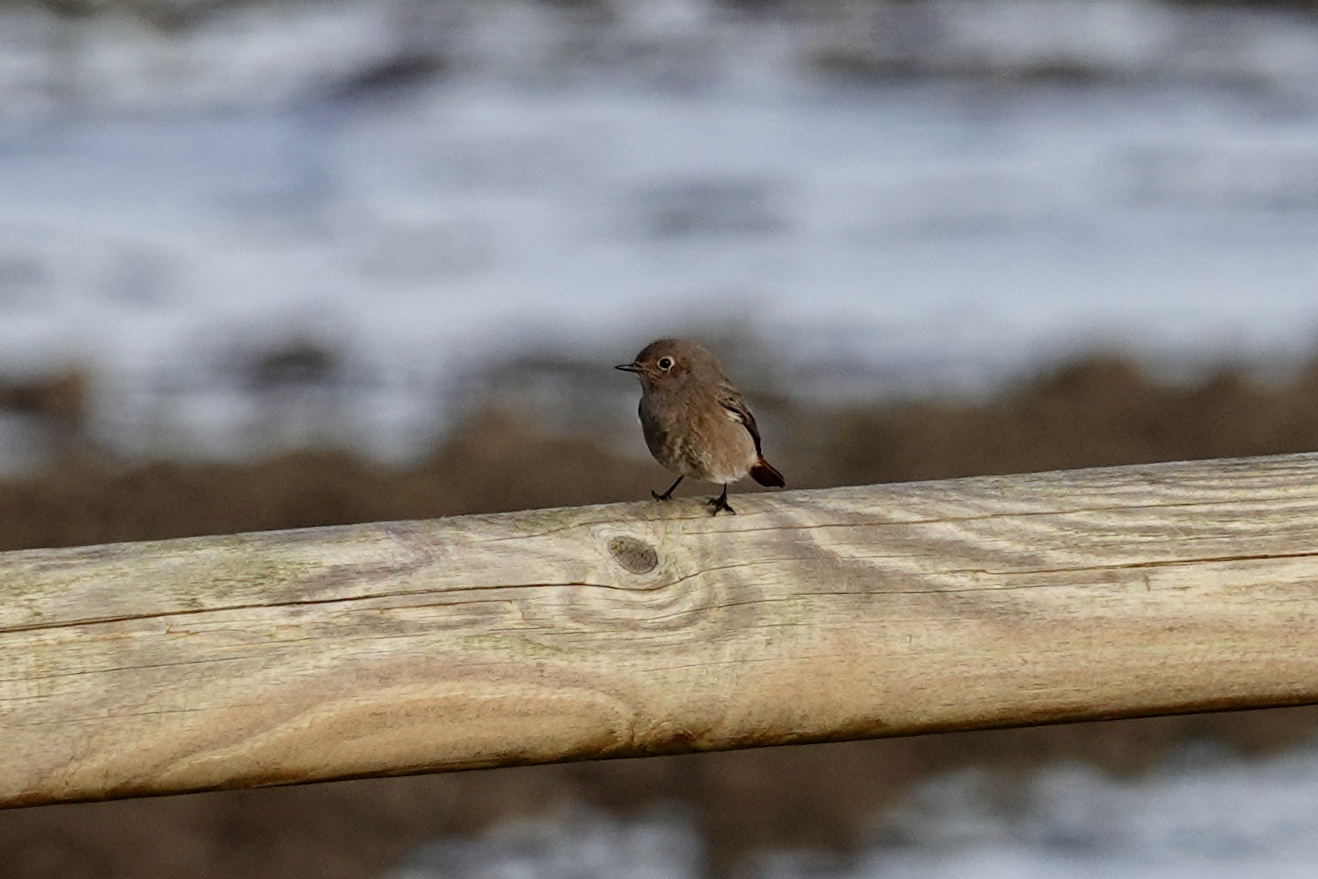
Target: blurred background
<point x="273" y="263"/>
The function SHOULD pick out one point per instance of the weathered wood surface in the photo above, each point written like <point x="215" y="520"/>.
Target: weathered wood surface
<point x="650" y="628"/>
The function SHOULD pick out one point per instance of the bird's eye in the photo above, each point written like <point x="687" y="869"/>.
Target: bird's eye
<point x="665" y="363"/>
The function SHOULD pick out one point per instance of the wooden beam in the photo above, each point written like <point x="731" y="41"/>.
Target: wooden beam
<point x="647" y="628"/>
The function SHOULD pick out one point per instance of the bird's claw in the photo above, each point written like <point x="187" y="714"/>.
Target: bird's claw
<point x="719" y="504"/>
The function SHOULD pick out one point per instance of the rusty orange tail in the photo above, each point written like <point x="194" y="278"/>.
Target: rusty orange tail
<point x="764" y="473"/>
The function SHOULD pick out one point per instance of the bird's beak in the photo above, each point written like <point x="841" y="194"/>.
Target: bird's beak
<point x="628" y="367"/>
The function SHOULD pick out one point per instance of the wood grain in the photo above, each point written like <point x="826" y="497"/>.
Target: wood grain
<point x="648" y="628"/>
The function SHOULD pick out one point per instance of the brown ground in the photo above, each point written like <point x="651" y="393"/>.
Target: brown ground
<point x="1096" y="412"/>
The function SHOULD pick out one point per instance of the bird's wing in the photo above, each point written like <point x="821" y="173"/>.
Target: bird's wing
<point x="731" y="400"/>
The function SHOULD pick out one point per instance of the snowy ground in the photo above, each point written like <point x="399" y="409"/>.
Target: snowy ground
<point x="1203" y="816"/>
<point x="1057" y="177"/>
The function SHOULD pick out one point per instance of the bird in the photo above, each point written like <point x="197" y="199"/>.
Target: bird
<point x="695" y="422"/>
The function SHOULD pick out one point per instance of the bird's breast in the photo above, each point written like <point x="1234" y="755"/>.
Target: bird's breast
<point x="696" y="437"/>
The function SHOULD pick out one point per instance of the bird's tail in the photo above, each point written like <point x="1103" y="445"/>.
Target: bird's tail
<point x="764" y="473"/>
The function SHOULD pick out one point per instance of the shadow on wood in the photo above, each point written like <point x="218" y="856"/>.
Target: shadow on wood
<point x="639" y="629"/>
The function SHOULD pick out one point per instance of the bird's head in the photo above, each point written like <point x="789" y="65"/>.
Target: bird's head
<point x="670" y="362"/>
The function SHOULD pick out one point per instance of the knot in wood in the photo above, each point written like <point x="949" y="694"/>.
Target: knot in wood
<point x="633" y="554"/>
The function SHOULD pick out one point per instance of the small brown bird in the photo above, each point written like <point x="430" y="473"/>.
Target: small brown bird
<point x="695" y="422"/>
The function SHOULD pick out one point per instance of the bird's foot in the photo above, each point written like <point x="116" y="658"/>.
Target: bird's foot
<point x="668" y="494"/>
<point x="720" y="504"/>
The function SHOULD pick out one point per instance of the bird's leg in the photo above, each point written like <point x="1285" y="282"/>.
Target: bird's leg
<point x="668" y="494"/>
<point x="721" y="503"/>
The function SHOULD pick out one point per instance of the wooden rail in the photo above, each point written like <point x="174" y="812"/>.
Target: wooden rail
<point x="647" y="628"/>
